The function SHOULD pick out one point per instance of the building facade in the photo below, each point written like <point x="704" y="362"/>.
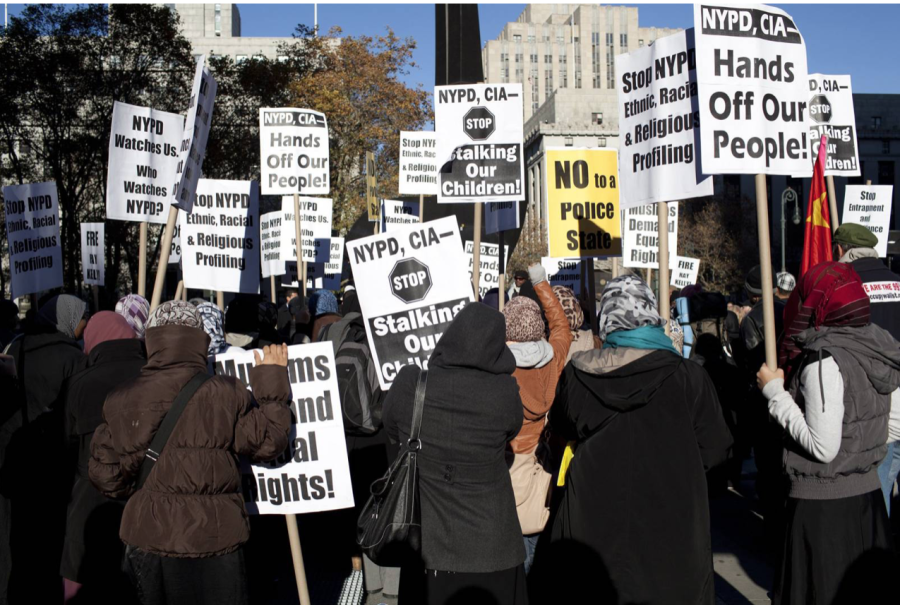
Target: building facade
<point x="215" y="30"/>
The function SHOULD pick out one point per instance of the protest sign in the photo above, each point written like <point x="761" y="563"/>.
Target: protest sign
<point x="221" y="237"/>
<point x="175" y="249"/>
<point x="293" y="151"/>
<point x="398" y="212"/>
<point x="270" y="243"/>
<point x="684" y="271"/>
<point x="412" y="282"/>
<point x="373" y="203"/>
<point x="93" y="270"/>
<point x="32" y="230"/>
<point x="883" y="291"/>
<point x="501" y="216"/>
<point x="312" y="475"/>
<point x="315" y="224"/>
<point x="752" y="80"/>
<point x="418" y="163"/>
<point x="320" y="276"/>
<point x="639" y="234"/>
<point x="196" y="133"/>
<point x="831" y="114"/>
<point x="563" y="272"/>
<point x="583" y="203"/>
<point x="479" y="143"/>
<point x="659" y="117"/>
<point x="870" y="206"/>
<point x="489" y="263"/>
<point x="143" y="163"/>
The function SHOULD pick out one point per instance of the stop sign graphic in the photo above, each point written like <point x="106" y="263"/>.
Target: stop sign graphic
<point x="479" y="123"/>
<point x="820" y="109"/>
<point x="410" y="280"/>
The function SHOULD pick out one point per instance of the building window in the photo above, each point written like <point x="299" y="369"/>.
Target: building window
<point x="534" y="108"/>
<point x="563" y="70"/>
<point x="569" y="142"/>
<point x="876" y="122"/>
<point x="595" y="58"/>
<point x="531" y="38"/>
<point x="601" y="142"/>
<point x="548" y="82"/>
<point x="518" y="57"/>
<point x="610" y="62"/>
<point x="517" y="39"/>
<point x="640" y="43"/>
<point x="218" y="19"/>
<point x="886" y="146"/>
<point x="623" y="41"/>
<point x="597" y="118"/>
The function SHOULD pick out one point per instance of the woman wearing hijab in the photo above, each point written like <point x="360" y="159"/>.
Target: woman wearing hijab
<point x="185" y="528"/>
<point x="214" y="325"/>
<point x="46" y="356"/>
<point x="839" y="407"/>
<point x="582" y="340"/>
<point x="325" y="307"/>
<point x="135" y="309"/>
<point x="633" y="523"/>
<point x="92" y="553"/>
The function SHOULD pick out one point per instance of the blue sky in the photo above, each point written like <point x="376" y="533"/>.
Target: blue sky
<point x="858" y="39"/>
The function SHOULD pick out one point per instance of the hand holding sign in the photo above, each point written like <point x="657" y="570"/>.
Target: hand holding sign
<point x="273" y="355"/>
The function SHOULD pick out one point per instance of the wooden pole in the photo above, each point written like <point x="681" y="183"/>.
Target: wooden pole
<point x="765" y="263"/>
<point x="220" y="300"/>
<point x="476" y="250"/>
<point x="301" y="264"/>
<point x="615" y="267"/>
<point x="179" y="289"/>
<point x="501" y="269"/>
<point x="297" y="556"/>
<point x="832" y="203"/>
<point x="95" y="290"/>
<point x="649" y="276"/>
<point x="164" y="249"/>
<point x="662" y="227"/>
<point x="272" y="286"/>
<point x="592" y="293"/>
<point x="421" y="208"/>
<point x="142" y="262"/>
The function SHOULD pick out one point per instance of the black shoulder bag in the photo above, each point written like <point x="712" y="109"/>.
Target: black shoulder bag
<point x="168" y="425"/>
<point x="390" y="525"/>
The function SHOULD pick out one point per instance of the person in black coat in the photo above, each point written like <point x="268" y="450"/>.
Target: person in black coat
<point x="92" y="552"/>
<point x="633" y="523"/>
<point x="33" y="481"/>
<point x="471" y="540"/>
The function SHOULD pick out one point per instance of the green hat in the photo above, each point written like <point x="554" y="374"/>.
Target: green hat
<point x="855" y="235"/>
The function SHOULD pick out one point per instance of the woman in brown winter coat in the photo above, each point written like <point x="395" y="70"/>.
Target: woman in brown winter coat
<point x="185" y="527"/>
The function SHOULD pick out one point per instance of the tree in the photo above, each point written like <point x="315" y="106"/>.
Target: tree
<point x="63" y="67"/>
<point x="356" y="84"/>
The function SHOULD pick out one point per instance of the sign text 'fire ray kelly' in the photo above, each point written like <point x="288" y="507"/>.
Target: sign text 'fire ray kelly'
<point x="293" y="151"/>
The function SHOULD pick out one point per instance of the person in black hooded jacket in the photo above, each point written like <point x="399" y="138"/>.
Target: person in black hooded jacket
<point x="471" y="540"/>
<point x="633" y="524"/>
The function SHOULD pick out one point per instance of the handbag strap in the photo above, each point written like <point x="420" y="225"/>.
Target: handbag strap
<point x="416" y="427"/>
<point x="167" y="426"/>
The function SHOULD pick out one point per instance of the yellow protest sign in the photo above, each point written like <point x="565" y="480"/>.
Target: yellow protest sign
<point x="372" y="202"/>
<point x="583" y="202"/>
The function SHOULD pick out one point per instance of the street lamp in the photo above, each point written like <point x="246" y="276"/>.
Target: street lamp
<point x="788" y="196"/>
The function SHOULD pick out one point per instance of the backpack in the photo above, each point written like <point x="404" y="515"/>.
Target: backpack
<point x="703" y="313"/>
<point x="357" y="377"/>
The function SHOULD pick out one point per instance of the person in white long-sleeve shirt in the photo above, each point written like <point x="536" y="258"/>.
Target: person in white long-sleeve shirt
<point x="840" y="406"/>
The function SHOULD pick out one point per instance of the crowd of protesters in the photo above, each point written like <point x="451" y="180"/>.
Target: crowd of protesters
<point x="560" y="462"/>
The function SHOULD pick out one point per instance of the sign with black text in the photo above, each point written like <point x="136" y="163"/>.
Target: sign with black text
<point x="32" y="230"/>
<point x="293" y="151"/>
<point x="684" y="271"/>
<point x="196" y="133"/>
<point x="640" y="234"/>
<point x="870" y="206"/>
<point x="479" y="143"/>
<point x="312" y="474"/>
<point x="175" y="250"/>
<point x="319" y="275"/>
<point x="220" y="238"/>
<point x="418" y="163"/>
<point x="659" y="117"/>
<point x="489" y="265"/>
<point x="143" y="163"/>
<point x="753" y="90"/>
<point x="412" y="282"/>
<point x="315" y="229"/>
<point x="270" y="243"/>
<point x="564" y="272"/>
<point x="831" y="114"/>
<point x="501" y="216"/>
<point x="93" y="269"/>
<point x="397" y="212"/>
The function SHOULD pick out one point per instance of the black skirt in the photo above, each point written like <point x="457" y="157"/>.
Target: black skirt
<point x="836" y="551"/>
<point x="429" y="587"/>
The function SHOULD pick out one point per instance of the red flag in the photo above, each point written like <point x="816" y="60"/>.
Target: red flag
<point x="817" y="237"/>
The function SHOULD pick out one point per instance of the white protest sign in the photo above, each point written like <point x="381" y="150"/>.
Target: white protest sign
<point x="660" y="121"/>
<point x="396" y="212"/>
<point x="870" y="206"/>
<point x="501" y="216"/>
<point x="93" y="269"/>
<point x="143" y="163"/>
<point x="418" y="163"/>
<point x="175" y="250"/>
<point x="831" y="114"/>
<point x="220" y="238"/>
<point x="312" y="475"/>
<point x="270" y="243"/>
<point x="883" y="291"/>
<point x="315" y="228"/>
<point x="319" y="276"/>
<point x="196" y="133"/>
<point x="563" y="272"/>
<point x="479" y="143"/>
<point x="293" y="151"/>
<point x="489" y="261"/>
<point x="752" y="79"/>
<point x="639" y="235"/>
<point x="32" y="229"/>
<point x="685" y="271"/>
<point x="412" y="282"/>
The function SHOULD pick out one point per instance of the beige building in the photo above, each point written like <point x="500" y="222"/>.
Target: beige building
<point x="215" y="30"/>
